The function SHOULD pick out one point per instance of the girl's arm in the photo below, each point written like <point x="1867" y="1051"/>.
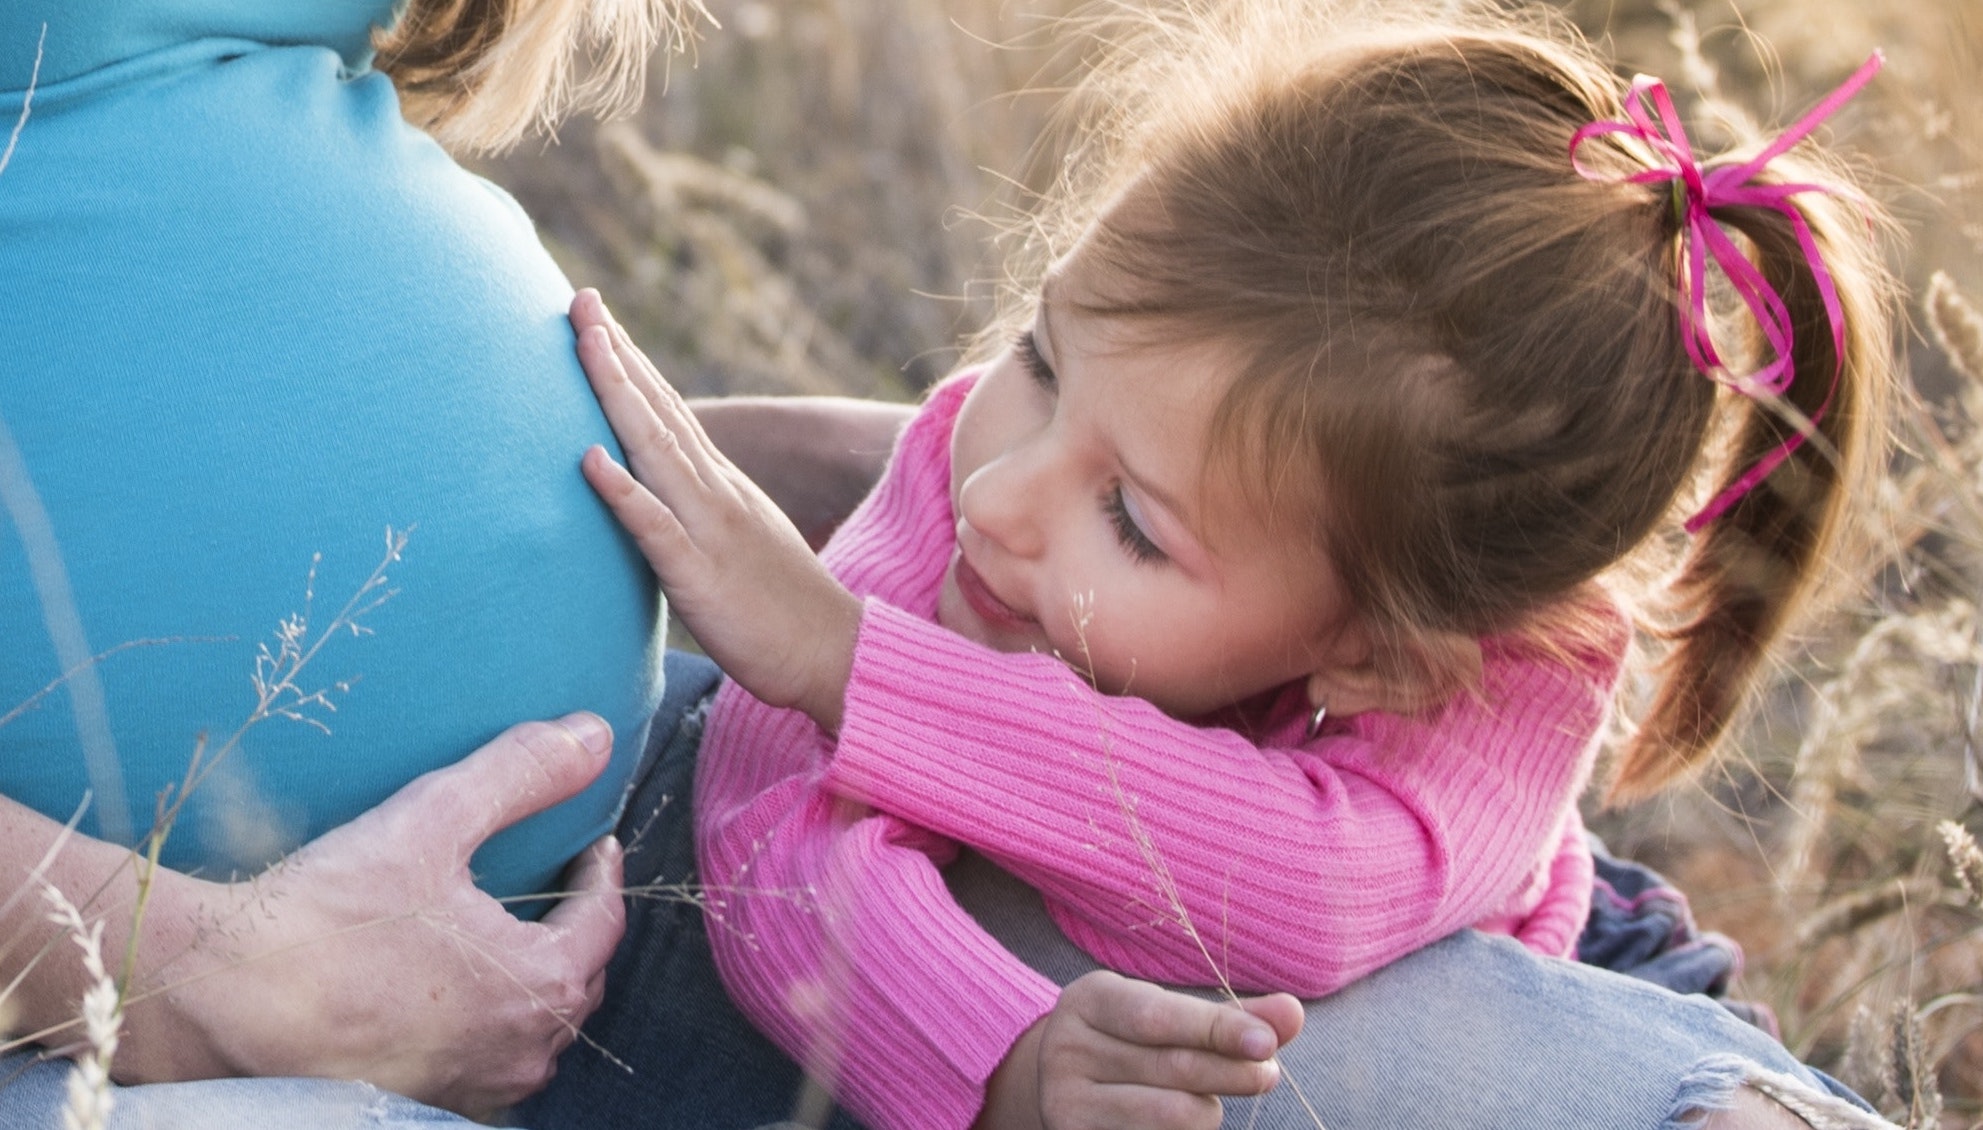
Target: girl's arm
<point x="369" y="954"/>
<point x="1296" y="867"/>
<point x="835" y="933"/>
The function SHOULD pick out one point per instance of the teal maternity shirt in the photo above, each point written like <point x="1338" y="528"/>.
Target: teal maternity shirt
<point x="250" y="320"/>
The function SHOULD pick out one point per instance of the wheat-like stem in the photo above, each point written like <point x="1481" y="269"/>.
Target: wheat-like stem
<point x="277" y="694"/>
<point x="27" y="101"/>
<point x="89" y="1094"/>
<point x="1957" y="326"/>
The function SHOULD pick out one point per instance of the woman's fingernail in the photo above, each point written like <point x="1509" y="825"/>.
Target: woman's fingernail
<point x="591" y="732"/>
<point x="1256" y="1043"/>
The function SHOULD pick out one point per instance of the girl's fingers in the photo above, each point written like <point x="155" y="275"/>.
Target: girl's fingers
<point x="1281" y="1011"/>
<point x="1142" y="1034"/>
<point x="1191" y="1070"/>
<point x="612" y="359"/>
<point x="1139" y="1012"/>
<point x="662" y="397"/>
<point x="654" y="527"/>
<point x="654" y="450"/>
<point x="588" y="309"/>
<point x="1157" y="1108"/>
<point x="668" y="404"/>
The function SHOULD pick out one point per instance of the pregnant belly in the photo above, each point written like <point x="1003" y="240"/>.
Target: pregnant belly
<point x="253" y="324"/>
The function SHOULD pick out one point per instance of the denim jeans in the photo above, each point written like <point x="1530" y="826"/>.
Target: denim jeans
<point x="1470" y="1032"/>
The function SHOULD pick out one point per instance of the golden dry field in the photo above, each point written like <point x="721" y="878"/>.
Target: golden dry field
<point x="804" y="209"/>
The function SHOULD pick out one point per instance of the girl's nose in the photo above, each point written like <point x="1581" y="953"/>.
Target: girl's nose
<point x="1005" y="501"/>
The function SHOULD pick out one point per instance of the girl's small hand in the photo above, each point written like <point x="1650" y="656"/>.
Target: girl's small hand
<point x="1118" y="1052"/>
<point x="736" y="570"/>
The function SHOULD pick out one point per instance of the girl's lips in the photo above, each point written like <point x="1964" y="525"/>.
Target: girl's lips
<point x="979" y="596"/>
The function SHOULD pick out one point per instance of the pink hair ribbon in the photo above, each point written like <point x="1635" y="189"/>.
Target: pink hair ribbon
<point x="1698" y="192"/>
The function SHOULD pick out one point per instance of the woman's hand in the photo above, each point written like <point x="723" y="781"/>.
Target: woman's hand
<point x="737" y="572"/>
<point x="370" y="954"/>
<point x="1116" y="1052"/>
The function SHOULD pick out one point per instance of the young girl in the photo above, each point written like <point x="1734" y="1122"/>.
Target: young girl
<point x="1246" y="602"/>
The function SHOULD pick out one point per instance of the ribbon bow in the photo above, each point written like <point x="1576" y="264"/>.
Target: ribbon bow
<point x="1697" y="193"/>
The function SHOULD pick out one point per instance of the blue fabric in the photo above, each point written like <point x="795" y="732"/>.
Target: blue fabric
<point x="1472" y="1031"/>
<point x="32" y="1097"/>
<point x="86" y="34"/>
<point x="1640" y="925"/>
<point x="249" y="317"/>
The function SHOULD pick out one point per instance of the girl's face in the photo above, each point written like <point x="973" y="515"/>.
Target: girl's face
<point x="1087" y="525"/>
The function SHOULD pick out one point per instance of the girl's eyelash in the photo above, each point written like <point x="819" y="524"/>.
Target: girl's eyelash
<point x="1028" y="350"/>
<point x="1133" y="539"/>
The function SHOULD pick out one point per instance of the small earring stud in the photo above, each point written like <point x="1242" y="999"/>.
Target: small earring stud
<point x="1316" y="719"/>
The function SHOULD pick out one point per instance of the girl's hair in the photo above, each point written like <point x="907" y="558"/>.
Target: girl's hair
<point x="1458" y="355"/>
<point x="480" y="74"/>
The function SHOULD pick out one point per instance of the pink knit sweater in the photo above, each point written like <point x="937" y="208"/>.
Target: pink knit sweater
<point x="1302" y="865"/>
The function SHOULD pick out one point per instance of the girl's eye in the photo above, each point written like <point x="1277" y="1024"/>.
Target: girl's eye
<point x="1027" y="348"/>
<point x="1128" y="530"/>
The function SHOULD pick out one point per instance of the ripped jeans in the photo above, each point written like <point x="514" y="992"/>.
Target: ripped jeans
<point x="1470" y="1033"/>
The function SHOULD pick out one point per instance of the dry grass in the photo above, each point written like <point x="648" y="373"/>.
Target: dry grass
<point x="794" y="215"/>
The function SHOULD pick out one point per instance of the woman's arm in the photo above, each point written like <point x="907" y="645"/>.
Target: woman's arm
<point x="368" y="954"/>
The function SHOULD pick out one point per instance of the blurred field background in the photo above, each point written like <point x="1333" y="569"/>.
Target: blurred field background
<point x="802" y="210"/>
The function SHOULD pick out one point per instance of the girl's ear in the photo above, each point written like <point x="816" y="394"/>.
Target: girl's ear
<point x="1416" y="675"/>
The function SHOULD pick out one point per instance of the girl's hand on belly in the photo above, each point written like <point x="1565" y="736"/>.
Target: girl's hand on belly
<point x="370" y="954"/>
<point x="737" y="571"/>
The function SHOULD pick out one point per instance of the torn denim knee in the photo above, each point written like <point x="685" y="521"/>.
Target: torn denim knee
<point x="1713" y="1083"/>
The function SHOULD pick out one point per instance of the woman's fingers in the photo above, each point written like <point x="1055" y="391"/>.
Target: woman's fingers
<point x="590" y="918"/>
<point x="526" y="769"/>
